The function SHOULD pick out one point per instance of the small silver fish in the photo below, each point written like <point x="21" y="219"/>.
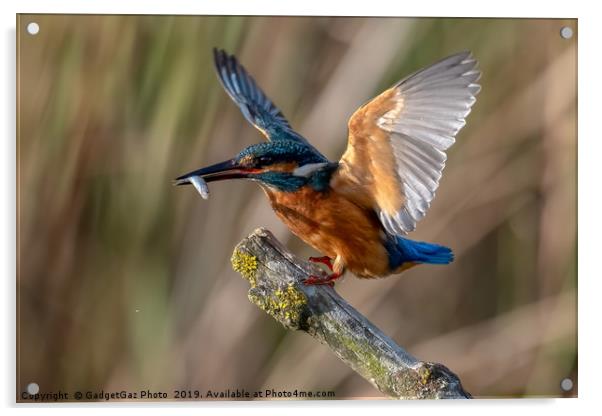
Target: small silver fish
<point x="200" y="185"/>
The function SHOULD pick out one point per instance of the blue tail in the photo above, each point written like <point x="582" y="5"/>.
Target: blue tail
<point x="402" y="250"/>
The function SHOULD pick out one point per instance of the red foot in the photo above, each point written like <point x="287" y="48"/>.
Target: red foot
<point x="322" y="280"/>
<point x="324" y="260"/>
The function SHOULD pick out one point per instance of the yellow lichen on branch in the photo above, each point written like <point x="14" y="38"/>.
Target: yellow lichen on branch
<point x="284" y="305"/>
<point x="246" y="265"/>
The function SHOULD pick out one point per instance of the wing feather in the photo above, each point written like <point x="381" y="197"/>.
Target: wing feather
<point x="254" y="104"/>
<point x="397" y="141"/>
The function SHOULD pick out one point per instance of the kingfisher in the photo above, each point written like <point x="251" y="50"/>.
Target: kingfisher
<point x="356" y="212"/>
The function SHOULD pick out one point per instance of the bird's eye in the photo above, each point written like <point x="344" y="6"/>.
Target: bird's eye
<point x="264" y="160"/>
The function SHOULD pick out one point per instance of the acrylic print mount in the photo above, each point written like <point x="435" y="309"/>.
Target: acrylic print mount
<point x="422" y="165"/>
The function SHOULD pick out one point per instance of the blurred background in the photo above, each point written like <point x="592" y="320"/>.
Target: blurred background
<point x="124" y="281"/>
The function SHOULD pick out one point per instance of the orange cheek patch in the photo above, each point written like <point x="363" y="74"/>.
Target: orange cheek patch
<point x="252" y="170"/>
<point x="281" y="167"/>
<point x="277" y="167"/>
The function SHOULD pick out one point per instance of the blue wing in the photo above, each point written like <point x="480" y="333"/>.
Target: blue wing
<point x="257" y="108"/>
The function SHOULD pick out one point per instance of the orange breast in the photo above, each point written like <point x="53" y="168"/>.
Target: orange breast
<point x="336" y="227"/>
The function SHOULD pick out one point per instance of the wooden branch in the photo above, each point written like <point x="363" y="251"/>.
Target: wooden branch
<point x="275" y="276"/>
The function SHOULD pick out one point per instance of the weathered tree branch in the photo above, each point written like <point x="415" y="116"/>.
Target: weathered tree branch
<point x="275" y="276"/>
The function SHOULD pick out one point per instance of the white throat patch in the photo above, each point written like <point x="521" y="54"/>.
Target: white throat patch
<point x="309" y="168"/>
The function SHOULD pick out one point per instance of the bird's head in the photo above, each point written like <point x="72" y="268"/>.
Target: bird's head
<point x="283" y="164"/>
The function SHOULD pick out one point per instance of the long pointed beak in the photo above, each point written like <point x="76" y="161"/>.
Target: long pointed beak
<point x="220" y="171"/>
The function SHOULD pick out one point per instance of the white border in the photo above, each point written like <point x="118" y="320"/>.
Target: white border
<point x="590" y="138"/>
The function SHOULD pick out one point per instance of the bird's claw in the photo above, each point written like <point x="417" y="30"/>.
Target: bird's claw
<point x="321" y="280"/>
<point x="324" y="260"/>
<point x="324" y="279"/>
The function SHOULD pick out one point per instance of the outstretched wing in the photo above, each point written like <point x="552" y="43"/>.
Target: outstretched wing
<point x="257" y="108"/>
<point x="397" y="141"/>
